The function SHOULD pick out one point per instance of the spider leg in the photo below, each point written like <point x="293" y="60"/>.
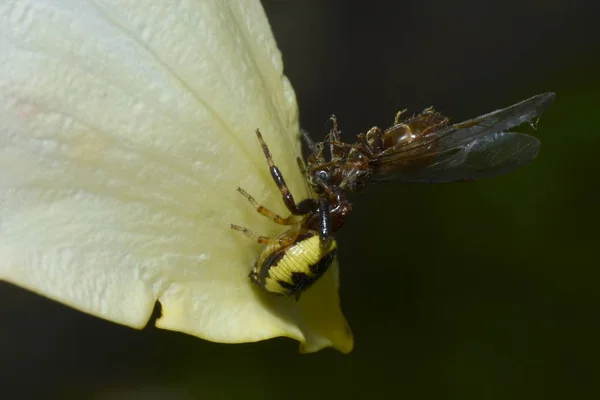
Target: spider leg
<point x="283" y="240"/>
<point x="326" y="230"/>
<point x="301" y="166"/>
<point x="291" y="220"/>
<point x="288" y="199"/>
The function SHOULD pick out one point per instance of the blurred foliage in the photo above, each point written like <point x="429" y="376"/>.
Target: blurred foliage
<point x="482" y="290"/>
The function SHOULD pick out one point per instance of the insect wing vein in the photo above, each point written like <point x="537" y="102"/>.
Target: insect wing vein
<point x="472" y="149"/>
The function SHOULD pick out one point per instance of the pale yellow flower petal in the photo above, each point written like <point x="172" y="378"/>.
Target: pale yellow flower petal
<point x="125" y="129"/>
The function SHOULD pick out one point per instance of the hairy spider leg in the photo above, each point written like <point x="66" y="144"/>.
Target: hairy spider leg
<point x="304" y="208"/>
<point x="291" y="220"/>
<point x="301" y="166"/>
<point x="281" y="241"/>
<point x="288" y="199"/>
<point x="326" y="231"/>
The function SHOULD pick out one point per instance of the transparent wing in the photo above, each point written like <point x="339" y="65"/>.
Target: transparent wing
<point x="474" y="149"/>
<point x="486" y="156"/>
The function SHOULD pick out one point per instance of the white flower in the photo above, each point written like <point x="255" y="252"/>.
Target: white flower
<point x="125" y="128"/>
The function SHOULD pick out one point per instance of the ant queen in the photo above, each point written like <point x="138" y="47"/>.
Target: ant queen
<point x="423" y="148"/>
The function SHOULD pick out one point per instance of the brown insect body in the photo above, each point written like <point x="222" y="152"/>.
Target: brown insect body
<point x="423" y="148"/>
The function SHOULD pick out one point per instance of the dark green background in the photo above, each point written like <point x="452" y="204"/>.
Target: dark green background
<point x="484" y="290"/>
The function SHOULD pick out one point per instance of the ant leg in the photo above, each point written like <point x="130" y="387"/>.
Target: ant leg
<point x="301" y="166"/>
<point x="363" y="146"/>
<point x="398" y="115"/>
<point x="343" y="146"/>
<point x="281" y="241"/>
<point x="291" y="220"/>
<point x="309" y="142"/>
<point x="375" y="140"/>
<point x="288" y="199"/>
<point x="316" y="149"/>
<point x="335" y="150"/>
<point x="335" y="132"/>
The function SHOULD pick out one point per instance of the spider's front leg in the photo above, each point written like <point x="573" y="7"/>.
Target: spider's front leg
<point x="308" y="207"/>
<point x="281" y="241"/>
<point x="326" y="230"/>
<point x="301" y="208"/>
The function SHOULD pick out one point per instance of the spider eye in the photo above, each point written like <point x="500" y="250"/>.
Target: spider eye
<point x="322" y="175"/>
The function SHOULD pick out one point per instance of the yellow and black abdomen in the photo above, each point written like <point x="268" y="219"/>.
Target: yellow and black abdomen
<point x="289" y="270"/>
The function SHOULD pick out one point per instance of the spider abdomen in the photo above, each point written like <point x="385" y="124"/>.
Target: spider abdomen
<point x="289" y="270"/>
